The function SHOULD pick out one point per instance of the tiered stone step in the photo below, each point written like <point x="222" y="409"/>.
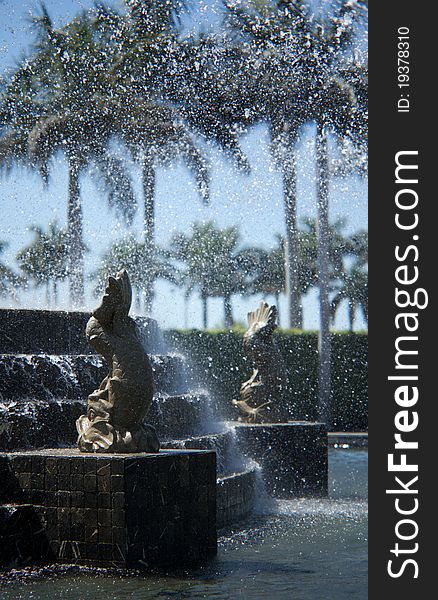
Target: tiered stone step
<point x="25" y="331"/>
<point x="47" y="370"/>
<point x="74" y="377"/>
<point x="236" y="481"/>
<point x="51" y="423"/>
<point x="228" y="458"/>
<point x="41" y="396"/>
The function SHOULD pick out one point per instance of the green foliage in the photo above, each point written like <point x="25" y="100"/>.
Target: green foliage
<point x="9" y="281"/>
<point x="219" y="364"/>
<point x="144" y="264"/>
<point x="211" y="258"/>
<point x="46" y="258"/>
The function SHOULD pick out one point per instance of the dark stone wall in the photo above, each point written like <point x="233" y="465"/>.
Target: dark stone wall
<point x="22" y="538"/>
<point x="74" y="377"/>
<point x="52" y="423"/>
<point x="138" y="511"/>
<point x="235" y="497"/>
<point x="293" y="456"/>
<point x="57" y="332"/>
<point x="43" y="331"/>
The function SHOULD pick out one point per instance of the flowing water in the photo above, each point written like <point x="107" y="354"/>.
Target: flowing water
<point x="304" y="549"/>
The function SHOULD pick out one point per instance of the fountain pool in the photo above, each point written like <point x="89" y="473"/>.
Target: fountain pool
<point x="310" y="549"/>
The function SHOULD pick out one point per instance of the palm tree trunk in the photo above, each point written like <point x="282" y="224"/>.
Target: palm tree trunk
<point x="75" y="236"/>
<point x="350" y="316"/>
<point x="55" y="293"/>
<point x="148" y="182"/>
<point x="228" y="313"/>
<point x="48" y="294"/>
<point x="277" y="304"/>
<point x="204" y="311"/>
<point x="300" y="314"/>
<point x="324" y="342"/>
<point x="291" y="246"/>
<point x="186" y="311"/>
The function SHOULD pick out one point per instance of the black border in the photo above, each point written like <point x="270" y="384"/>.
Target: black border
<point x="390" y="132"/>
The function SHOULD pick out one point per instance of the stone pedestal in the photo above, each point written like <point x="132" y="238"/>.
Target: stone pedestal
<point x="131" y="510"/>
<point x="293" y="456"/>
<point x="236" y="496"/>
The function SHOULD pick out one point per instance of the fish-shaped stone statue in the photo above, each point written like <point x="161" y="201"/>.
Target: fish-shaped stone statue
<point x="116" y="411"/>
<point x="262" y="396"/>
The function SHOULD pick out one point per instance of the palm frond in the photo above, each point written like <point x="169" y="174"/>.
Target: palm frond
<point x="113" y="174"/>
<point x="196" y="163"/>
<point x="13" y="150"/>
<point x="46" y="138"/>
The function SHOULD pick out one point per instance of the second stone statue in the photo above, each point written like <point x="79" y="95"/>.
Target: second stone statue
<point x="116" y="411"/>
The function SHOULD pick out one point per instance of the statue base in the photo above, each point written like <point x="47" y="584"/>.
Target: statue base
<point x="293" y="456"/>
<point x="125" y="510"/>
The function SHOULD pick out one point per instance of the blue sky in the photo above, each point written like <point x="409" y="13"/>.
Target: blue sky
<point x="253" y="202"/>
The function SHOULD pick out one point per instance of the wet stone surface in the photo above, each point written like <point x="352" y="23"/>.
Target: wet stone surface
<point x="125" y="510"/>
<point x="293" y="456"/>
<point x="48" y="424"/>
<point x="25" y="331"/>
<point x="46" y="377"/>
<point x="236" y="496"/>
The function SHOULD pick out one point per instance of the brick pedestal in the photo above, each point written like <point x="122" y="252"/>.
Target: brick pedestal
<point x="132" y="510"/>
<point x="293" y="456"/>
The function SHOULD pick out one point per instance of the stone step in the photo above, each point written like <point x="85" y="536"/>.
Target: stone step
<point x="54" y="377"/>
<point x="51" y="423"/>
<point x="236" y="497"/>
<point x="224" y="443"/>
<point x="181" y="416"/>
<point x="24" y="331"/>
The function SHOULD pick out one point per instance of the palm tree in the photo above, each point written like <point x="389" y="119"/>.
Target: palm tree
<point x="84" y="92"/>
<point x="339" y="247"/>
<point x="51" y="106"/>
<point x="308" y="83"/>
<point x="213" y="265"/>
<point x="279" y="89"/>
<point x="264" y="271"/>
<point x="143" y="268"/>
<point x="45" y="261"/>
<point x="329" y="114"/>
<point x="274" y="69"/>
<point x="155" y="134"/>
<point x="353" y="289"/>
<point x="9" y="281"/>
<point x="269" y="267"/>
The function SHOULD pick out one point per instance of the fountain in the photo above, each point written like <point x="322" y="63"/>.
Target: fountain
<point x="122" y="497"/>
<point x="292" y="454"/>
<point x="117" y="499"/>
<point x="116" y="411"/>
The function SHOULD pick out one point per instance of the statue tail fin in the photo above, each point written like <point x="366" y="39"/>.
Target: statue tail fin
<point x="264" y="315"/>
